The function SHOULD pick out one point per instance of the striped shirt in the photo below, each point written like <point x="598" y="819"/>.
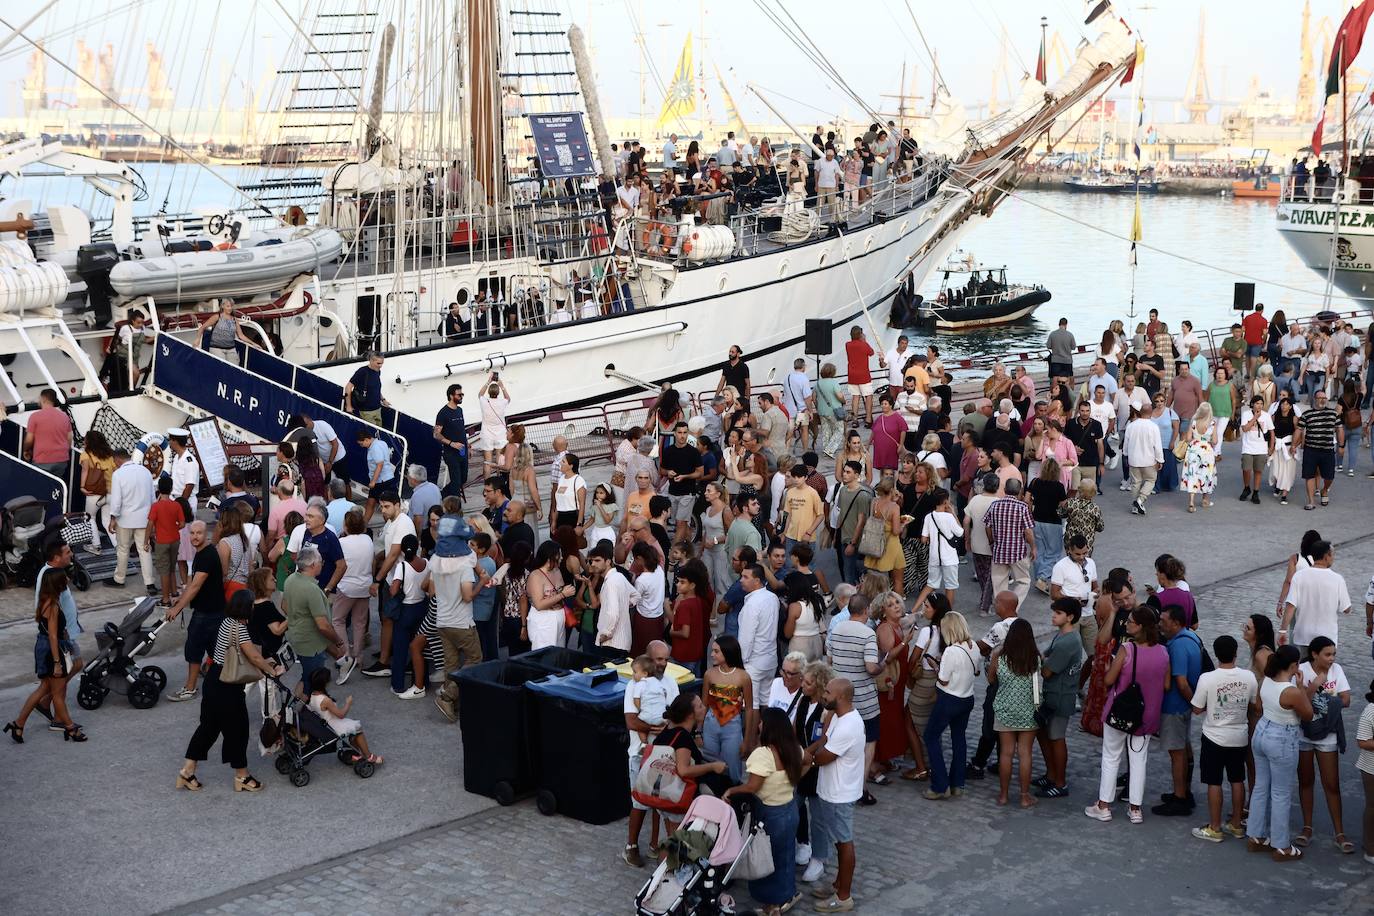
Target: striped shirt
<point x="854" y="646"/>
<point x="230" y="631"/>
<point x="1319" y="428"/>
<point x="1007" y="521"/>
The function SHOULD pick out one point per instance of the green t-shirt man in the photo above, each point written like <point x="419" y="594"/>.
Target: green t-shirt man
<point x="305" y="603"/>
<point x="742" y="532"/>
<point x="1234" y="349"/>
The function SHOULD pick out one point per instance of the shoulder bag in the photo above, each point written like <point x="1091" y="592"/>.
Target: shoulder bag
<point x="957" y="542"/>
<point x="658" y="785"/>
<point x="757" y="860"/>
<point x="1128" y="707"/>
<point x="237" y="669"/>
<point x="873" y="537"/>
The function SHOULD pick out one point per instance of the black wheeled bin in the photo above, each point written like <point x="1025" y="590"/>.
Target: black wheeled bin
<point x="558" y="660"/>
<point x="581" y="746"/>
<point x="493" y="711"/>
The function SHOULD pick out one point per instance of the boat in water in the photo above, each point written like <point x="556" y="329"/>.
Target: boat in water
<point x="485" y="199"/>
<point x="974" y="296"/>
<point x="1099" y="182"/>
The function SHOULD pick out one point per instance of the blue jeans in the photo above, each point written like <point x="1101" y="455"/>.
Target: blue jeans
<point x="851" y="565"/>
<point x="487" y="635"/>
<point x="1276" y="775"/>
<point x="402" y="632"/>
<point x="1049" y="548"/>
<point x="731" y="625"/>
<point x="1313" y="382"/>
<point x="1368" y="386"/>
<point x="457" y="464"/>
<point x="722" y="742"/>
<point x="948" y="713"/>
<point x="310" y="664"/>
<point x="1352" y="448"/>
<point x="781" y="823"/>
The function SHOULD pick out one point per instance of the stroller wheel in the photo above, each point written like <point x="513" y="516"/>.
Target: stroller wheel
<point x="546" y="802"/>
<point x="156" y="675"/>
<point x="300" y="778"/>
<point x="283" y="763"/>
<point x="143" y="694"/>
<point x="90" y="695"/>
<point x="364" y="768"/>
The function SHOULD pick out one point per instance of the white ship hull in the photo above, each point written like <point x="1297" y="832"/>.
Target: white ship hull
<point x="760" y="303"/>
<point x="1307" y="227"/>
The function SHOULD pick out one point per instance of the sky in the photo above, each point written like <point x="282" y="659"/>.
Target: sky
<point x="213" y="43"/>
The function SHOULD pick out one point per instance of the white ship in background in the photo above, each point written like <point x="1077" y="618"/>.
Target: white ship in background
<point x="478" y="189"/>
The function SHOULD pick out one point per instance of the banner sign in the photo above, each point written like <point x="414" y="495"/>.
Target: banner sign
<point x="253" y="403"/>
<point x="561" y="143"/>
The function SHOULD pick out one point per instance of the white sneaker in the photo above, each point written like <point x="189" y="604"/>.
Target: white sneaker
<point x="1096" y="813"/>
<point x="182" y="695"/>
<point x="814" y="870"/>
<point x="410" y="693"/>
<point x="1125" y="486"/>
<point x="346" y="666"/>
<point x="803" y="853"/>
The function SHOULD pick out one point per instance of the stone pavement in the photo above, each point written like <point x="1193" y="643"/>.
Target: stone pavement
<point x="411" y="839"/>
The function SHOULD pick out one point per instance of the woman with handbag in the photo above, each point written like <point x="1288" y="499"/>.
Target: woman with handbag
<point x="97" y="468"/>
<point x="236" y="662"/>
<point x="682" y="720"/>
<point x="1015" y="668"/>
<point x="545" y="618"/>
<point x="774" y="771"/>
<point x="880" y="540"/>
<point x="1325" y="684"/>
<point x="1275" y="746"/>
<point x="1138" y="678"/>
<point x="55" y="659"/>
<point x="235" y="557"/>
<point x="922" y="670"/>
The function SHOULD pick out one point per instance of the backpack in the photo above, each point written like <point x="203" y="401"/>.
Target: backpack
<point x="1128" y="708"/>
<point x="658" y="784"/>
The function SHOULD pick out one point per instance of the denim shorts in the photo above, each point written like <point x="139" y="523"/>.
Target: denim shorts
<point x="831" y="823"/>
<point x="634" y="774"/>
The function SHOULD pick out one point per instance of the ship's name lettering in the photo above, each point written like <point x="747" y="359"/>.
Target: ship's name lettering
<point x="1349" y="218"/>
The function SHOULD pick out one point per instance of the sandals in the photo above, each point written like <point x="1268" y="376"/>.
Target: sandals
<point x="1192" y="508"/>
<point x="915" y="775"/>
<point x="15" y="731"/>
<point x="73" y="733"/>
<point x="1303" y="838"/>
<point x="881" y="780"/>
<point x="1344" y="845"/>
<point x="1291" y="854"/>
<point x="374" y="759"/>
<point x="247" y="784"/>
<point x="188" y="782"/>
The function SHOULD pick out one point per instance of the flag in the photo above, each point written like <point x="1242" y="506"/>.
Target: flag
<point x="734" y="119"/>
<point x="1136" y="233"/>
<point x="1349" y="39"/>
<point x="1137" y="61"/>
<point x="1097" y="11"/>
<point x="1041" y="74"/>
<point x="681" y="99"/>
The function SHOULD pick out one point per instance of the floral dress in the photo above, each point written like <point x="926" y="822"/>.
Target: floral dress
<point x="1200" y="461"/>
<point x="1081" y="516"/>
<point x="1013" y="709"/>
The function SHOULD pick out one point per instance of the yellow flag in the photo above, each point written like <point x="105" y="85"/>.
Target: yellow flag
<point x="735" y="120"/>
<point x="1136" y="233"/>
<point x="681" y="99"/>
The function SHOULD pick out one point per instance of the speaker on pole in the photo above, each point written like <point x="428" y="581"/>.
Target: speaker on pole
<point x="1244" y="297"/>
<point x="819" y="332"/>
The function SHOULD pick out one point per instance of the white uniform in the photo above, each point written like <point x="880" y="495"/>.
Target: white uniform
<point x="186" y="469"/>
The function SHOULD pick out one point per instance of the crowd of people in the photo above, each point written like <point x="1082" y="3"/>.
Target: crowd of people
<point x="704" y="549"/>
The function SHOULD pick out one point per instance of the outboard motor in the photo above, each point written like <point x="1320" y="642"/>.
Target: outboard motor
<point x="93" y="264"/>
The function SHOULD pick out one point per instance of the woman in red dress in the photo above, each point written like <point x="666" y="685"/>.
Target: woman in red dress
<point x="891" y="683"/>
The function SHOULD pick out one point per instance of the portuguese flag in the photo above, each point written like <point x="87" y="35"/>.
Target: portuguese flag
<point x="1350" y="37"/>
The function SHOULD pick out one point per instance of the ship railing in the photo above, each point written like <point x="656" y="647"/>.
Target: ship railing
<point x="1213" y="338"/>
<point x="1306" y="189"/>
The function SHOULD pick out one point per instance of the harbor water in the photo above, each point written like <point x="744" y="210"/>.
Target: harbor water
<point x="1055" y="239"/>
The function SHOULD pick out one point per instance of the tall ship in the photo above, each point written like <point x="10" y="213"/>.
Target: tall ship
<point x="442" y="190"/>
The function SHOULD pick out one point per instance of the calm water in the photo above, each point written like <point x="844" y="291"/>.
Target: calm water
<point x="1089" y="273"/>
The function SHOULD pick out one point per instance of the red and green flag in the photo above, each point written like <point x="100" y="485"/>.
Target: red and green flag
<point x="1350" y="37"/>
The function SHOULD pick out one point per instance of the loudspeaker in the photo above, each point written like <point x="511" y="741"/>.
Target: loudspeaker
<point x="1245" y="297"/>
<point x="818" y="336"/>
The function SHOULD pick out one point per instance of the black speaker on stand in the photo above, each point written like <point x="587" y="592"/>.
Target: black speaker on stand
<point x="819" y="339"/>
<point x="1244" y="299"/>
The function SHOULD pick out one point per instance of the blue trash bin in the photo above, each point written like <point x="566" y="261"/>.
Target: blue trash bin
<point x="581" y="746"/>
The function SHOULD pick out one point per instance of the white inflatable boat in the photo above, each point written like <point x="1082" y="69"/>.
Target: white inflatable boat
<point x="263" y="268"/>
<point x="27" y="284"/>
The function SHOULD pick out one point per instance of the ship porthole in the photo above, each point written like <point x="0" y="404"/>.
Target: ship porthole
<point x="723" y="281"/>
<point x="825" y="255"/>
<point x="782" y="269"/>
<point x="462" y="297"/>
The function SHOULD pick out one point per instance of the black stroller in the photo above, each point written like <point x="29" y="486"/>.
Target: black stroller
<point x="25" y="530"/>
<point x="310" y="737"/>
<point x="115" y="667"/>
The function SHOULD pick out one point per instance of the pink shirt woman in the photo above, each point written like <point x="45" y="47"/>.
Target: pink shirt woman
<point x="1055" y="446"/>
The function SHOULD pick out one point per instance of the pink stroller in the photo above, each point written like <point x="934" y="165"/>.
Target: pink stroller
<point x="702" y="855"/>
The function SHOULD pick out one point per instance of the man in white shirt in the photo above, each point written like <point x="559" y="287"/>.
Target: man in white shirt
<point x="1226" y="696"/>
<point x="839" y="757"/>
<point x="1103" y="410"/>
<point x="327" y="443"/>
<point x="1127" y="396"/>
<point x="131" y="496"/>
<point x="1143" y="451"/>
<point x="670" y="153"/>
<point x="1256" y="445"/>
<point x="396" y="529"/>
<point x="658" y="651"/>
<point x="1075" y="577"/>
<point x="185" y="467"/>
<point x="1317" y="595"/>
<point x="910" y="404"/>
<point x="725" y="156"/>
<point x="758" y="635"/>
<point x="746" y="152"/>
<point x="894" y="361"/>
<point x="797" y="395"/>
<point x="617" y="594"/>
<point x="828" y="183"/>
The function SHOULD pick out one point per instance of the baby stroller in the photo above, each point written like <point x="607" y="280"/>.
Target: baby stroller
<point x="310" y="737"/>
<point x="115" y="666"/>
<point x="690" y="881"/>
<point x="25" y="531"/>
